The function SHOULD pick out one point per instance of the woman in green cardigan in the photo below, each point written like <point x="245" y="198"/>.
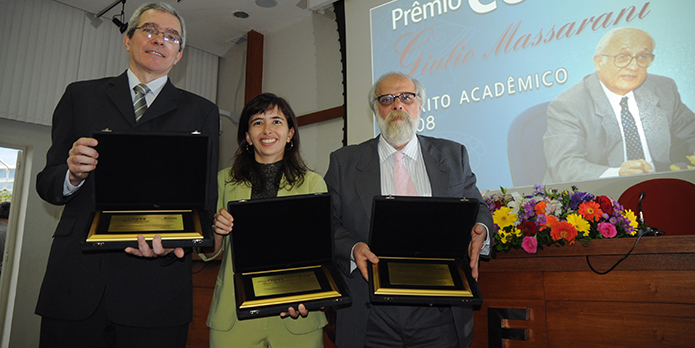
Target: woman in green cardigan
<point x="267" y="164"/>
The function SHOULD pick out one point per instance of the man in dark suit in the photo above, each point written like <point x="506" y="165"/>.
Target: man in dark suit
<point x="141" y="297"/>
<point x="619" y="120"/>
<point x="356" y="174"/>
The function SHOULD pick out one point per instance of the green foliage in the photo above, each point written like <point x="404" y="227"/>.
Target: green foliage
<point x="5" y="195"/>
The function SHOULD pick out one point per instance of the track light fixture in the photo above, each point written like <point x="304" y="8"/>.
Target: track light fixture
<point x="122" y="27"/>
<point x="119" y="19"/>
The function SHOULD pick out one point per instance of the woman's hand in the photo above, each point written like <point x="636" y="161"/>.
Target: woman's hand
<point x="223" y="222"/>
<point x="295" y="313"/>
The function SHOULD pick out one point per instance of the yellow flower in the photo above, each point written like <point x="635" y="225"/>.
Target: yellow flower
<point x="630" y="216"/>
<point x="503" y="236"/>
<point x="579" y="223"/>
<point x="504" y="217"/>
<point x="517" y="232"/>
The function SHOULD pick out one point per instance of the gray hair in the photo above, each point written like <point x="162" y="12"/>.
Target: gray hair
<point x="419" y="90"/>
<point x="159" y="6"/>
<point x="603" y="43"/>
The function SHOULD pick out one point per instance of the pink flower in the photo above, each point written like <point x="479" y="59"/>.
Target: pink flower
<point x="530" y="244"/>
<point x="607" y="229"/>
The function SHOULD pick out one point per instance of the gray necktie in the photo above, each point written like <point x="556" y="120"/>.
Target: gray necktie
<point x="140" y="103"/>
<point x="633" y="144"/>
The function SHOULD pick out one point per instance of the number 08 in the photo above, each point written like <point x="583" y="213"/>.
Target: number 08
<point x="429" y="124"/>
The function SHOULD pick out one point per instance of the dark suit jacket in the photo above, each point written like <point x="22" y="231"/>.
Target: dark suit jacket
<point x="137" y="291"/>
<point x="583" y="138"/>
<point x="353" y="179"/>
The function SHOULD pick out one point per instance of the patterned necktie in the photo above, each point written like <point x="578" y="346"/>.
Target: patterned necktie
<point x="140" y="103"/>
<point x="633" y="144"/>
<point x="401" y="180"/>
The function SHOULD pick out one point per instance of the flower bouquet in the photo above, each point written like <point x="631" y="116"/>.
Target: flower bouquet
<point x="549" y="217"/>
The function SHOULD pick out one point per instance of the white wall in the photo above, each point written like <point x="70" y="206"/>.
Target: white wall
<point x="308" y="73"/>
<point x="301" y="64"/>
<point x="359" y="67"/>
<point x="230" y="98"/>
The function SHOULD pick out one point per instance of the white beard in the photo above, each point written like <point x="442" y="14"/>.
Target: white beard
<point x="397" y="132"/>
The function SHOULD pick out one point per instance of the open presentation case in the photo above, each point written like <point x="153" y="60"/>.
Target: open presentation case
<point x="422" y="245"/>
<point x="282" y="251"/>
<point x="150" y="184"/>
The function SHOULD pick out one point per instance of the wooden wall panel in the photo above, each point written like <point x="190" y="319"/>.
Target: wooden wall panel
<point x="254" y="65"/>
<point x="621" y="286"/>
<point x="647" y="301"/>
<point x="198" y="331"/>
<point x="521" y="285"/>
<point x="204" y="279"/>
<point x="584" y="324"/>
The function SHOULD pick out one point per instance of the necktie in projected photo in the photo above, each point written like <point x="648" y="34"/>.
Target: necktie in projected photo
<point x="633" y="144"/>
<point x="401" y="179"/>
<point x="140" y="103"/>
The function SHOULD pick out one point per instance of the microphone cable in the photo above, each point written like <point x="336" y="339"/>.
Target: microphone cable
<point x="640" y="233"/>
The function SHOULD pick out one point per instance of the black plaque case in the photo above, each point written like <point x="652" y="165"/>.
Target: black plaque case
<point x="161" y="179"/>
<point x="422" y="245"/>
<point x="285" y="240"/>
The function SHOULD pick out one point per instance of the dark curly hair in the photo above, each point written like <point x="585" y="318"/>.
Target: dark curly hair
<point x="244" y="169"/>
<point x="5" y="210"/>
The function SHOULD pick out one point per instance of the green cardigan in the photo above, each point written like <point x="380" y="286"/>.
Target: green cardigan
<point x="222" y="314"/>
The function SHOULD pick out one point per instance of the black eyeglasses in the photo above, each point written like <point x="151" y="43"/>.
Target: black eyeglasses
<point x="168" y="37"/>
<point x="388" y="99"/>
<point x="623" y="60"/>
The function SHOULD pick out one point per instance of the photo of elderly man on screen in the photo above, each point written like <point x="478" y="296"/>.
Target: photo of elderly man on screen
<point x="619" y="120"/>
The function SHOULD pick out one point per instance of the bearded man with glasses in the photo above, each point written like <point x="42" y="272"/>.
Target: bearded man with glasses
<point x="137" y="297"/>
<point x="357" y="173"/>
<point x="619" y="120"/>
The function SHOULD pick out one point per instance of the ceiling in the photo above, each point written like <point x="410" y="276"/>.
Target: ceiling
<point x="211" y="24"/>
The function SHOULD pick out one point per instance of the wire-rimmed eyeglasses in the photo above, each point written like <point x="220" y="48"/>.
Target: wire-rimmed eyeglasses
<point x="168" y="36"/>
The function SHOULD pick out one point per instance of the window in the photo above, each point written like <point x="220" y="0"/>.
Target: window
<point x="8" y="165"/>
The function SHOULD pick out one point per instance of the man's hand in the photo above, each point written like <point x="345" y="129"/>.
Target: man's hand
<point x="82" y="159"/>
<point x="157" y="249"/>
<point x="296" y="313"/>
<point x="633" y="167"/>
<point x="362" y="253"/>
<point x="478" y="236"/>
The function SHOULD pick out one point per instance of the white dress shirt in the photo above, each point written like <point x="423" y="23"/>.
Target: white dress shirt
<point x="614" y="100"/>
<point x="415" y="165"/>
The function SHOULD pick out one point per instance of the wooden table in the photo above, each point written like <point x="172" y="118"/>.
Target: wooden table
<point x="555" y="299"/>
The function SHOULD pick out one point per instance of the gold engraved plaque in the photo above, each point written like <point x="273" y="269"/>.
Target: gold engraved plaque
<point x="419" y="277"/>
<point x="257" y="289"/>
<point x="285" y="283"/>
<point x="146" y="223"/>
<point x="125" y="226"/>
<point x="434" y="274"/>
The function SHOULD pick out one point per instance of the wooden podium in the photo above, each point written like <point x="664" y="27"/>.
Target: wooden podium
<point x="553" y="299"/>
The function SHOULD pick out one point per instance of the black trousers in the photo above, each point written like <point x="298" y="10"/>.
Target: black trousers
<point x="98" y="331"/>
<point x="411" y="327"/>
